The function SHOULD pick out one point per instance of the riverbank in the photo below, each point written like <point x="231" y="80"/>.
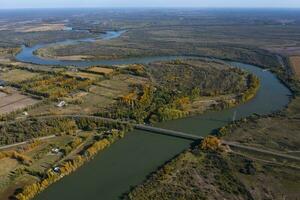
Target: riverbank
<point x="141" y="144"/>
<point x="198" y="174"/>
<point x="183" y="145"/>
<point x="238" y="78"/>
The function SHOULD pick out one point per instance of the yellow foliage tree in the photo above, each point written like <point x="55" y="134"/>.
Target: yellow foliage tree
<point x="211" y="143"/>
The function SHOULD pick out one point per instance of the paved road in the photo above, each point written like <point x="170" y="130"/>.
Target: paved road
<point x="22" y="143"/>
<point x="165" y="132"/>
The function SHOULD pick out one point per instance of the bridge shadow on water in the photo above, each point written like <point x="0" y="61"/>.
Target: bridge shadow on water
<point x="170" y="135"/>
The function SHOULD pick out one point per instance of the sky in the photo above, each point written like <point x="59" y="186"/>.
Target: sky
<point x="148" y="3"/>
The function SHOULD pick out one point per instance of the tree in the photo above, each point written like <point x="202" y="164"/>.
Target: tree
<point x="211" y="143"/>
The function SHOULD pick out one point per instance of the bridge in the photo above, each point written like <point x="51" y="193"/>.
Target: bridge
<point x="161" y="131"/>
<point x="236" y="145"/>
<point x="167" y="132"/>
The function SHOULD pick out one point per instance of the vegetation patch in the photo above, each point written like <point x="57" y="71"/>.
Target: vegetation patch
<point x="54" y="87"/>
<point x="100" y="70"/>
<point x="176" y="86"/>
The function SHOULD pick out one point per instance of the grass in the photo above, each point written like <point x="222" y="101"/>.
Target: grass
<point x="295" y="63"/>
<point x="267" y="132"/>
<point x="199" y="175"/>
<point x="17" y="75"/>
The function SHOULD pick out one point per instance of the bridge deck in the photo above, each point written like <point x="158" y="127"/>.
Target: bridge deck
<point x="168" y="132"/>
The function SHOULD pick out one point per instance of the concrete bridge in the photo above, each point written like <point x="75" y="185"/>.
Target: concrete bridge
<point x="167" y="132"/>
<point x="162" y="131"/>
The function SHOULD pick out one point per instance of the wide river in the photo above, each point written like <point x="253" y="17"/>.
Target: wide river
<point x="129" y="161"/>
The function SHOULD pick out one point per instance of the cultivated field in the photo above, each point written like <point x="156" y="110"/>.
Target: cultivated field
<point x="84" y="75"/>
<point x="101" y="70"/>
<point x="12" y="100"/>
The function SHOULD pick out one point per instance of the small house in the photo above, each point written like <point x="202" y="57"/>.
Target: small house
<point x="56" y="169"/>
<point x="55" y="150"/>
<point x="61" y="104"/>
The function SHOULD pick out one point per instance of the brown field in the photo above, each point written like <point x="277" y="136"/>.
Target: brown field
<point x="14" y="100"/>
<point x="84" y="75"/>
<point x="101" y="70"/>
<point x="41" y="28"/>
<point x="17" y="75"/>
<point x="295" y="61"/>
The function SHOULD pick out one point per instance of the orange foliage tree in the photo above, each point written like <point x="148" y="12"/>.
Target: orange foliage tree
<point x="211" y="143"/>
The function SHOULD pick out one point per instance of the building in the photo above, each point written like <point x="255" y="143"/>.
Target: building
<point x="55" y="150"/>
<point x="61" y="104"/>
<point x="56" y="169"/>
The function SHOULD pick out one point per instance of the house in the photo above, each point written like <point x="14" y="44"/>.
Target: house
<point x="72" y="69"/>
<point x="56" y="169"/>
<point x="55" y="150"/>
<point x="61" y="104"/>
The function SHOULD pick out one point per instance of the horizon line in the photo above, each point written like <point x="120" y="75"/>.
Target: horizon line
<point x="150" y="7"/>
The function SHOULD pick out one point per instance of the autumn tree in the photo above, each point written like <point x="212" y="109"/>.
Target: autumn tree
<point x="211" y="143"/>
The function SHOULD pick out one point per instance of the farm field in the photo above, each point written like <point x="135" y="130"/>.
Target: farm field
<point x="100" y="70"/>
<point x="12" y="100"/>
<point x="84" y="75"/>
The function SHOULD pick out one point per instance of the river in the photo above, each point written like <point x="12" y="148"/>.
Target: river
<point x="130" y="160"/>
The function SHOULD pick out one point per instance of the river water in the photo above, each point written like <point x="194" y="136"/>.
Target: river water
<point x="129" y="161"/>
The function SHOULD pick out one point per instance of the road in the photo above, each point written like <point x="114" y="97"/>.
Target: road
<point x="64" y="116"/>
<point x="152" y="129"/>
<point x="22" y="143"/>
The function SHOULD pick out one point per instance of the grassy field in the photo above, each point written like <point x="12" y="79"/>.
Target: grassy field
<point x="199" y="175"/>
<point x="295" y="62"/>
<point x="17" y="75"/>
